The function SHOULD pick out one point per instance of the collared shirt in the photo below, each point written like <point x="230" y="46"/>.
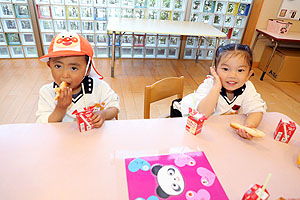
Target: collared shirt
<point x="97" y="92"/>
<point x="246" y="100"/>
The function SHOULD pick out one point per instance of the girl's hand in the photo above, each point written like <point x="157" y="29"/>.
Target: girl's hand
<point x="217" y="81"/>
<point x="244" y="134"/>
<point x="98" y="119"/>
<point x="65" y="98"/>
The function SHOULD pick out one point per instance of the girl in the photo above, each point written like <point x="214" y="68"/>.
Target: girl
<point x="228" y="89"/>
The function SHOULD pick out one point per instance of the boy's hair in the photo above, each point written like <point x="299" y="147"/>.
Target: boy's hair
<point x="70" y="44"/>
<point x="234" y="50"/>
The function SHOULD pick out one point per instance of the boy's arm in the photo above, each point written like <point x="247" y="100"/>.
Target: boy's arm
<point x="63" y="102"/>
<point x="99" y="117"/>
<point x="57" y="115"/>
<point x="209" y="103"/>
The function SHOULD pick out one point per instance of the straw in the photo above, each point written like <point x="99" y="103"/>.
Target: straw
<point x="264" y="186"/>
<point x="284" y="130"/>
<point x="83" y="91"/>
<point x="194" y="99"/>
<point x="84" y="120"/>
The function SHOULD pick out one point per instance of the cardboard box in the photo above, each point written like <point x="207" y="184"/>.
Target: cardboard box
<point x="84" y="119"/>
<point x="195" y="121"/>
<point x="278" y="26"/>
<point x="284" y="65"/>
<point x="283" y="130"/>
<point x="254" y="191"/>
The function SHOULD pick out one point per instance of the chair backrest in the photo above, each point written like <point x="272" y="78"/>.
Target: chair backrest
<point x="162" y="89"/>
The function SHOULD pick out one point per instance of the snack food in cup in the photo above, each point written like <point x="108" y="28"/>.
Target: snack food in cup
<point x="195" y="121"/>
<point x="251" y="131"/>
<point x="84" y="118"/>
<point x="58" y="90"/>
<point x="254" y="192"/>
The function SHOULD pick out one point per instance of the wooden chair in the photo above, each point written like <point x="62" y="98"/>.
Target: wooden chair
<point x="162" y="89"/>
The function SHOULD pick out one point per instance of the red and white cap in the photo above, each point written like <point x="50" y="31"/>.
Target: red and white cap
<point x="70" y="44"/>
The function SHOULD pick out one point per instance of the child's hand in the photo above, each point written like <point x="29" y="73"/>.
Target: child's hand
<point x="65" y="98"/>
<point x="217" y="81"/>
<point x="98" y="119"/>
<point x="244" y="134"/>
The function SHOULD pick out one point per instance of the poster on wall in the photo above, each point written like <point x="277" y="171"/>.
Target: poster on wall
<point x="289" y="9"/>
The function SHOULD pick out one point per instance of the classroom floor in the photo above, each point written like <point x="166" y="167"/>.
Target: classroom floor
<point x="21" y="80"/>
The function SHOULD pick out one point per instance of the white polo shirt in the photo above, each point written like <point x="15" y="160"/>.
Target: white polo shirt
<point x="96" y="92"/>
<point x="246" y="100"/>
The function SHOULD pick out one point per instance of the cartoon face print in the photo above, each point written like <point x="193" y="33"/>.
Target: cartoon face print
<point x="207" y="177"/>
<point x="149" y="198"/>
<point x="137" y="164"/>
<point x="182" y="160"/>
<point x="200" y="195"/>
<point x="65" y="39"/>
<point x="169" y="179"/>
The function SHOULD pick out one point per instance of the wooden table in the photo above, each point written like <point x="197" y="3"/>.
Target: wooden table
<point x="161" y="27"/>
<point x="56" y="161"/>
<point x="291" y="37"/>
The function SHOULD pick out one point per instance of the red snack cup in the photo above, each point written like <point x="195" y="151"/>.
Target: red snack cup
<point x="84" y="119"/>
<point x="195" y="121"/>
<point x="253" y="193"/>
<point x="284" y="128"/>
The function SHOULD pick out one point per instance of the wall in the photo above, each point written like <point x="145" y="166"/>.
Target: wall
<point x="269" y="10"/>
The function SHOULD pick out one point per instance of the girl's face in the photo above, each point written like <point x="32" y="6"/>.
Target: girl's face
<point x="233" y="71"/>
<point x="70" y="69"/>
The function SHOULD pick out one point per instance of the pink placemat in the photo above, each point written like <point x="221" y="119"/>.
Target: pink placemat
<point x="175" y="176"/>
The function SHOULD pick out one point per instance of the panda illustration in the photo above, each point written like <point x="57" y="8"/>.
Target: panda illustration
<point x="169" y="179"/>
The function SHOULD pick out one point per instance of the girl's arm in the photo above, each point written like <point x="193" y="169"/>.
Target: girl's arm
<point x="253" y="119"/>
<point x="209" y="103"/>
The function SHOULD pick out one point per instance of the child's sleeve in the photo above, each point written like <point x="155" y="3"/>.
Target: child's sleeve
<point x="45" y="105"/>
<point x="253" y="101"/>
<point x="193" y="100"/>
<point x="109" y="96"/>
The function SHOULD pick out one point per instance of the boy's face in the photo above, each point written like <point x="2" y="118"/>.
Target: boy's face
<point x="233" y="72"/>
<point x="70" y="69"/>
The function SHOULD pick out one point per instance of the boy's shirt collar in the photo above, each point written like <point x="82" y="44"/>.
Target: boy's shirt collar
<point x="88" y="88"/>
<point x="236" y="93"/>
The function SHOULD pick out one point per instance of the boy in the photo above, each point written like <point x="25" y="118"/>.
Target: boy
<point x="70" y="59"/>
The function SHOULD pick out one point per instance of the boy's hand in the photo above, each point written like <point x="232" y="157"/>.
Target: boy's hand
<point x="217" y="81"/>
<point x="65" y="98"/>
<point x="98" y="119"/>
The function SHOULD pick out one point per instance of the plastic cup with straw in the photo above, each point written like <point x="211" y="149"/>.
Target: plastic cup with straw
<point x="264" y="186"/>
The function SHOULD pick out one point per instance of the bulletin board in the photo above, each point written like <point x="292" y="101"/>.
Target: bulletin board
<point x="290" y="9"/>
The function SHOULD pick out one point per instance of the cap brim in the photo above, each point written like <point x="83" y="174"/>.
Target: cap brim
<point x="45" y="58"/>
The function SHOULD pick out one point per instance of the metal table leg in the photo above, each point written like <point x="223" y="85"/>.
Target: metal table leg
<point x="269" y="61"/>
<point x="112" y="64"/>
<point x="255" y="40"/>
<point x="217" y="45"/>
<point x="198" y="49"/>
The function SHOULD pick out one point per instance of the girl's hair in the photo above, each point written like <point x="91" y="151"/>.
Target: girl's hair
<point x="234" y="50"/>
